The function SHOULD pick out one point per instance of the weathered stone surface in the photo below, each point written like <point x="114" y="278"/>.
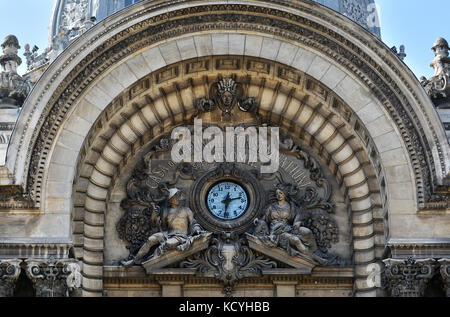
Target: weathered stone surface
<point x="408" y="278"/>
<point x="9" y="273"/>
<point x="176" y="256"/>
<point x="295" y="261"/>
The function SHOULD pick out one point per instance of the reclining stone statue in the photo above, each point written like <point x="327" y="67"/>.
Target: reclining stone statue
<point x="281" y="227"/>
<point x="178" y="230"/>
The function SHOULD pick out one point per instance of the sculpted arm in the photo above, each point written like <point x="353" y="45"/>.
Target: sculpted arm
<point x="156" y="217"/>
<point x="267" y="214"/>
<point x="297" y="218"/>
<point x="193" y="224"/>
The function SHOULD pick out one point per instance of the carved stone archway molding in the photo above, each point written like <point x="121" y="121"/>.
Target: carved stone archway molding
<point x="138" y="122"/>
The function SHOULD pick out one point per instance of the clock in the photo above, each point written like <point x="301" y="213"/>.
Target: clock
<point x="227" y="200"/>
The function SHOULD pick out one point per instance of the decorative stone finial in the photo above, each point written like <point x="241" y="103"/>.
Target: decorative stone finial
<point x="438" y="86"/>
<point x="11" y="41"/>
<point x="13" y="88"/>
<point x="10" y="60"/>
<point x="401" y="54"/>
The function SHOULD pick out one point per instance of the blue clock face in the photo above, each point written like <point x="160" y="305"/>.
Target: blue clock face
<point x="227" y="200"/>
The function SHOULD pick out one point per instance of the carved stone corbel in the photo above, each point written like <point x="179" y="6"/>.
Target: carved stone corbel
<point x="408" y="278"/>
<point x="9" y="273"/>
<point x="54" y="278"/>
<point x="445" y="275"/>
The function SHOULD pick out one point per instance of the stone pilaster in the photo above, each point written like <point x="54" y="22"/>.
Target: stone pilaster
<point x="408" y="278"/>
<point x="9" y="273"/>
<point x="445" y="275"/>
<point x="54" y="278"/>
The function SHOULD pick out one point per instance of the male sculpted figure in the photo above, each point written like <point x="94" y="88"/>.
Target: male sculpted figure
<point x="178" y="230"/>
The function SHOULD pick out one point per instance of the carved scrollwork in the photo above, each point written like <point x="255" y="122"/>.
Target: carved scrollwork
<point x="54" y="278"/>
<point x="311" y="197"/>
<point x="205" y="105"/>
<point x="408" y="278"/>
<point x="230" y="259"/>
<point x="445" y="275"/>
<point x="9" y="273"/>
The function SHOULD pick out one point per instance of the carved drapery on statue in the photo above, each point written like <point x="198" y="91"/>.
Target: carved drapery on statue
<point x="288" y="225"/>
<point x="232" y="248"/>
<point x="170" y="225"/>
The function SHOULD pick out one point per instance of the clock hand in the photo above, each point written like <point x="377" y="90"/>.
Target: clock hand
<point x="226" y="201"/>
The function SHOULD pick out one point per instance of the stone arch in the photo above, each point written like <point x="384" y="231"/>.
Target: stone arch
<point x="88" y="76"/>
<point x="127" y="124"/>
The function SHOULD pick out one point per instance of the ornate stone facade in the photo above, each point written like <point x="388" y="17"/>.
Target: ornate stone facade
<point x="54" y="278"/>
<point x="408" y="278"/>
<point x="13" y="91"/>
<point x="95" y="202"/>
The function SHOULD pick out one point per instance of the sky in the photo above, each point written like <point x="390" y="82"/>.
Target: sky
<point x="413" y="23"/>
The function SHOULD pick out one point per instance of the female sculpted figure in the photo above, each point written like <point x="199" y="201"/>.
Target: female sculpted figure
<point x="282" y="227"/>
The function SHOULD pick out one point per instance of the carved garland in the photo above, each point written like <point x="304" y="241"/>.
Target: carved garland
<point x="152" y="34"/>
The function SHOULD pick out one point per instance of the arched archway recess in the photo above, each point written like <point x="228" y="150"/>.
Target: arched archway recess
<point x="375" y="98"/>
<point x="296" y="102"/>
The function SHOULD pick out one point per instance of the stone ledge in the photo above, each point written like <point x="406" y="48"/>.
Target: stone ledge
<point x="35" y="248"/>
<point x="297" y="262"/>
<point x="174" y="256"/>
<point x="421" y="248"/>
